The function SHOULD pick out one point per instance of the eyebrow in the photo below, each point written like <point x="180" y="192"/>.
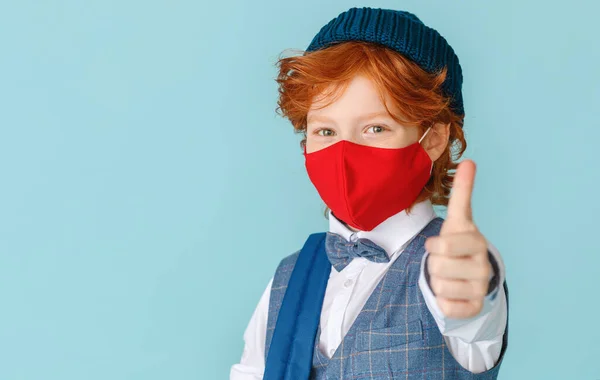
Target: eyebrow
<point x="367" y="116"/>
<point x="373" y="115"/>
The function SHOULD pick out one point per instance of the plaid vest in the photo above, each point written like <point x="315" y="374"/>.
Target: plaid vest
<point x="394" y="336"/>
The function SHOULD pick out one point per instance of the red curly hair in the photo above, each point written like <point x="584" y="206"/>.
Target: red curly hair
<point x="415" y="96"/>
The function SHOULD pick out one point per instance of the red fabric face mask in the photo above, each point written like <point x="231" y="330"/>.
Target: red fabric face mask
<point x="364" y="185"/>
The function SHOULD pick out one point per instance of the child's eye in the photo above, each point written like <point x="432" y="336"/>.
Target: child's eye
<point x="376" y="129"/>
<point x="325" y="132"/>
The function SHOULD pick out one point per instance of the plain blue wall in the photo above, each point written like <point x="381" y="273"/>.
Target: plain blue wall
<point x="148" y="188"/>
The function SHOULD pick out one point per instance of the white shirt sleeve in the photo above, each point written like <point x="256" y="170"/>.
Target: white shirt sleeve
<point x="475" y="342"/>
<point x="252" y="363"/>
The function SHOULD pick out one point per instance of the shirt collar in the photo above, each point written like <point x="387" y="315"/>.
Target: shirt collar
<point x="394" y="233"/>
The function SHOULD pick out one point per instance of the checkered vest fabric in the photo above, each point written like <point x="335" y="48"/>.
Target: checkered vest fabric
<point x="394" y="336"/>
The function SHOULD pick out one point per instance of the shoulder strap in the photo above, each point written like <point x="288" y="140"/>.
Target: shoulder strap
<point x="291" y="351"/>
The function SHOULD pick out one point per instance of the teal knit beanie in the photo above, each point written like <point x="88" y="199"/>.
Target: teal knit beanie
<point x="403" y="32"/>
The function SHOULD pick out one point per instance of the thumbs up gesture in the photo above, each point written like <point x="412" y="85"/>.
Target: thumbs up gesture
<point x="458" y="264"/>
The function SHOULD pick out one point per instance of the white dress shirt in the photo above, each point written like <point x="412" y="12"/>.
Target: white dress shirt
<point x="475" y="342"/>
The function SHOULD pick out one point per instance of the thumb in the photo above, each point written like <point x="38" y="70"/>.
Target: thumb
<point x="459" y="205"/>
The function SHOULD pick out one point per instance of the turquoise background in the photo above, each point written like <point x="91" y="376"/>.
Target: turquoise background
<point x="148" y="188"/>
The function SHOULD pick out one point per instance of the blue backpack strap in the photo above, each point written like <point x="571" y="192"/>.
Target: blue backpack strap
<point x="291" y="352"/>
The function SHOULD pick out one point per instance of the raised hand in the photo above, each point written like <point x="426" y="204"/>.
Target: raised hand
<point x="458" y="264"/>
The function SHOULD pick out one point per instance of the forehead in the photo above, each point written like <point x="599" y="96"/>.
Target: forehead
<point x="360" y="98"/>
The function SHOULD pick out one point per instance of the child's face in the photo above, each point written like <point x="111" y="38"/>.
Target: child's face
<point x="359" y="116"/>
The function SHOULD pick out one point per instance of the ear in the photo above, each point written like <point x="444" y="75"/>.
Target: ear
<point x="436" y="140"/>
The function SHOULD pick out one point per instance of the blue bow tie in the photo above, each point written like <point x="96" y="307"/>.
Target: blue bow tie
<point x="341" y="251"/>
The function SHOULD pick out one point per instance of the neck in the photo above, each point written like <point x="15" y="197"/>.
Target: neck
<point x="347" y="225"/>
<point x="350" y="227"/>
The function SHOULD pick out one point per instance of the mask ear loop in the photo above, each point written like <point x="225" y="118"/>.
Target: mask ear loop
<point x="421" y="139"/>
<point x="424" y="134"/>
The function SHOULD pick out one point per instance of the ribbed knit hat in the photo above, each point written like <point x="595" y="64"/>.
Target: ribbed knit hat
<point x="403" y="32"/>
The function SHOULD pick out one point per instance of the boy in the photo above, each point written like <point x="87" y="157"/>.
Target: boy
<point x="390" y="291"/>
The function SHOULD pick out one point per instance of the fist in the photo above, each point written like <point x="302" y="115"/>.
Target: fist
<point x="458" y="265"/>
